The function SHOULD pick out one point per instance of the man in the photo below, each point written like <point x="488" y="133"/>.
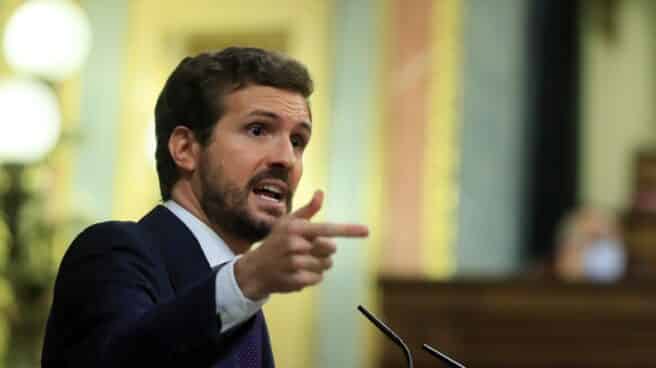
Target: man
<point x="589" y="247"/>
<point x="182" y="287"/>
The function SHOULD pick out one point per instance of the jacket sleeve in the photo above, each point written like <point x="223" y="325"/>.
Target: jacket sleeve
<point x="107" y="310"/>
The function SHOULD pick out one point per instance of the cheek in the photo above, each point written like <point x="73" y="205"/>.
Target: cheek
<point x="296" y="174"/>
<point x="240" y="163"/>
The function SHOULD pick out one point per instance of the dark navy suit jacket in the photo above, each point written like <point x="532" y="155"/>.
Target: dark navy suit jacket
<point x="141" y="294"/>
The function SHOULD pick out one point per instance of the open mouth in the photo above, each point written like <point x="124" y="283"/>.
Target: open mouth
<point x="274" y="192"/>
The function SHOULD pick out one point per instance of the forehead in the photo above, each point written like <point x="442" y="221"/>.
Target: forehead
<point x="286" y="104"/>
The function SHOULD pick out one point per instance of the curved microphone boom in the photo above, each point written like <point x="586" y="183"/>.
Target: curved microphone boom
<point x="397" y="340"/>
<point x="441" y="356"/>
<point x="389" y="333"/>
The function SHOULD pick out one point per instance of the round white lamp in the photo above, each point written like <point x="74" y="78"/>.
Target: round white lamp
<point x="30" y="120"/>
<point x="47" y="38"/>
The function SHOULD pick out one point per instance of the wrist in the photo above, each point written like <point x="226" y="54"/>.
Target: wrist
<point x="246" y="277"/>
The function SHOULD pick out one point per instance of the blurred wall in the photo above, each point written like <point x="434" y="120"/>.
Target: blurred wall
<point x="618" y="96"/>
<point x="353" y="192"/>
<point x="100" y="111"/>
<point x="493" y="144"/>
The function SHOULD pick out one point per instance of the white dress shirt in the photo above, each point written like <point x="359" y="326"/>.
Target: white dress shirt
<point x="231" y="304"/>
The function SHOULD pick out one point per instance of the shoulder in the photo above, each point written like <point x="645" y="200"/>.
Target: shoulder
<point x="111" y="239"/>
<point x="103" y="236"/>
<point x="111" y="255"/>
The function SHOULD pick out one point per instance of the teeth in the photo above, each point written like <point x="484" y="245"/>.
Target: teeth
<point x="273" y="189"/>
<point x="268" y="198"/>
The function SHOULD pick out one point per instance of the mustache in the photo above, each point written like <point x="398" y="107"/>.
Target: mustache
<point x="276" y="172"/>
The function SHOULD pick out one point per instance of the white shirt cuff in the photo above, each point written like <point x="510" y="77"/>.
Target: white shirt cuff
<point x="231" y="305"/>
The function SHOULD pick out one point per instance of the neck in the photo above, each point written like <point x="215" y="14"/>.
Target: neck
<point x="184" y="196"/>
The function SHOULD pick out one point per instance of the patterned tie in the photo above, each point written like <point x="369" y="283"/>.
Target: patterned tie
<point x="249" y="354"/>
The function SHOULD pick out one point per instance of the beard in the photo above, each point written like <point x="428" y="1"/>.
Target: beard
<point x="226" y="204"/>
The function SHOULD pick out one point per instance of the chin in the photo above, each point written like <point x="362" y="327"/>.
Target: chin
<point x="269" y="213"/>
<point x="266" y="218"/>
<point x="262" y="216"/>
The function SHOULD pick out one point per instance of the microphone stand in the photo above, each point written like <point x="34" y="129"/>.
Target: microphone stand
<point x="441" y="356"/>
<point x="398" y="341"/>
<point x="389" y="333"/>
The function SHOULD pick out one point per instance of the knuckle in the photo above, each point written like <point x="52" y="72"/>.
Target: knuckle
<point x="327" y="242"/>
<point x="281" y="223"/>
<point x="284" y="225"/>
<point x="291" y="284"/>
<point x="296" y="262"/>
<point x="298" y="283"/>
<point x="311" y="278"/>
<point x="298" y="245"/>
<point x="294" y="226"/>
<point x="305" y="279"/>
<point x="330" y="247"/>
<point x="301" y="285"/>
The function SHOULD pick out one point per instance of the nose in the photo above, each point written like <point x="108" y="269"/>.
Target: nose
<point x="282" y="154"/>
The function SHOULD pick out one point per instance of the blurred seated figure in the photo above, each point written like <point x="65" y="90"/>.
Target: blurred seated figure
<point x="589" y="247"/>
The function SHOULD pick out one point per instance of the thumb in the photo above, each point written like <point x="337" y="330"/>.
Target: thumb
<point x="309" y="210"/>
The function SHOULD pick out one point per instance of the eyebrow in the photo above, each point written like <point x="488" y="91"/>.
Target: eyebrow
<point x="272" y="115"/>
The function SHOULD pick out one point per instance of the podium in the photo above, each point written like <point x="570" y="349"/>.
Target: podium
<point x="522" y="323"/>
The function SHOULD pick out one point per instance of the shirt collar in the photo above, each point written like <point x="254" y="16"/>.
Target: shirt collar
<point x="215" y="249"/>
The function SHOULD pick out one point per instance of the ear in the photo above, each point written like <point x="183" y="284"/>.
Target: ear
<point x="184" y="148"/>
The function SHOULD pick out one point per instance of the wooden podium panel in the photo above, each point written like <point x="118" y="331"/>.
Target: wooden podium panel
<point x="527" y="324"/>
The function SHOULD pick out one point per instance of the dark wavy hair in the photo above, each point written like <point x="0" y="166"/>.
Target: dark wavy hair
<point x="193" y="95"/>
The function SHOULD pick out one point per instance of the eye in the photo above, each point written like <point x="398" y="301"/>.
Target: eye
<point x="256" y="129"/>
<point x="298" y="141"/>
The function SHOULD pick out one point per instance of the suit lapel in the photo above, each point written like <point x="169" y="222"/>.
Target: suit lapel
<point x="180" y="250"/>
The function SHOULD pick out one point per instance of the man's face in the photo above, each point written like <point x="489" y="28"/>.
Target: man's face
<point x="252" y="165"/>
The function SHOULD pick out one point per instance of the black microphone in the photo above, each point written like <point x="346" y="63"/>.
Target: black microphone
<point x="389" y="333"/>
<point x="441" y="356"/>
<point x="398" y="341"/>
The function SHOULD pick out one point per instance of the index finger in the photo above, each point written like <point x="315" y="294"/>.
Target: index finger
<point x="312" y="230"/>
